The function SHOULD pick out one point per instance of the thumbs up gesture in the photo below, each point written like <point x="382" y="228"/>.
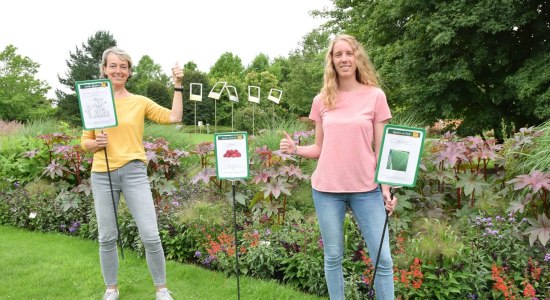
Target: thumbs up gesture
<point x="177" y="74"/>
<point x="287" y="145"/>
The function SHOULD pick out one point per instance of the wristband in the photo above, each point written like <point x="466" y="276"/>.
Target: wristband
<point x="180" y="89"/>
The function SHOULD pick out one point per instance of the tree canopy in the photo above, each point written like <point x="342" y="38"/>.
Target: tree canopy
<point x="22" y="96"/>
<point x="83" y="64"/>
<point x="483" y="62"/>
<point x="144" y="71"/>
<point x="305" y="77"/>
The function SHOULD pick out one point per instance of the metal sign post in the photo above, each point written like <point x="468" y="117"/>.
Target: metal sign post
<point x="195" y="97"/>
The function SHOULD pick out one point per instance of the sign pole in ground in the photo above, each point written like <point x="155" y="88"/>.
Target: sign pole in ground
<point x="215" y="94"/>
<point x="195" y="97"/>
<point x="233" y="97"/>
<point x="275" y="96"/>
<point x="231" y="152"/>
<point x="255" y="98"/>
<point x="114" y="205"/>
<point x="397" y="166"/>
<point x="235" y="229"/>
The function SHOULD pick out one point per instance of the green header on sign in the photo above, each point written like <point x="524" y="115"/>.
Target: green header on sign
<point x="231" y="137"/>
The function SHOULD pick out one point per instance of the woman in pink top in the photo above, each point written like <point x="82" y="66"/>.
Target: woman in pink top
<point x="349" y="114"/>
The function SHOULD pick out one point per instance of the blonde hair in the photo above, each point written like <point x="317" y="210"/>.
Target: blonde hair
<point x="121" y="54"/>
<point x="365" y="72"/>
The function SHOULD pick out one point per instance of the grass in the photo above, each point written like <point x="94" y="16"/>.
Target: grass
<point x="181" y="136"/>
<point x="539" y="157"/>
<point x="56" y="266"/>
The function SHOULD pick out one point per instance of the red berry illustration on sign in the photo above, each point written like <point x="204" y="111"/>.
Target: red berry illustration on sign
<point x="232" y="153"/>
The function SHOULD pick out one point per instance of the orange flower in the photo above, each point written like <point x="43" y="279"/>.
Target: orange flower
<point x="215" y="247"/>
<point x="414" y="274"/>
<point x="529" y="291"/>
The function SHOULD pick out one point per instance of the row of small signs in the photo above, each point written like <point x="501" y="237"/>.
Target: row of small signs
<point x="253" y="93"/>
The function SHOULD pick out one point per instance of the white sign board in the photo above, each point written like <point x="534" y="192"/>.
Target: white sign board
<point x="97" y="104"/>
<point x="195" y="96"/>
<point x="254" y="96"/>
<point x="217" y="90"/>
<point x="275" y="95"/>
<point x="400" y="155"/>
<point x="231" y="150"/>
<point x="232" y="92"/>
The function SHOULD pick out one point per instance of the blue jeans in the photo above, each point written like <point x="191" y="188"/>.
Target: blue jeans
<point x="131" y="180"/>
<point x="368" y="209"/>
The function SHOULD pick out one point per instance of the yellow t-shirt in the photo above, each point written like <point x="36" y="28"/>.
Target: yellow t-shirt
<point x="126" y="139"/>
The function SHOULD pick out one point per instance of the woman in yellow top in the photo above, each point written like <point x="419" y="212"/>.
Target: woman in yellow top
<point x="127" y="163"/>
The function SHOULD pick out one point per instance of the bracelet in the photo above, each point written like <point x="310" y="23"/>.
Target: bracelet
<point x="180" y="89"/>
<point x="295" y="150"/>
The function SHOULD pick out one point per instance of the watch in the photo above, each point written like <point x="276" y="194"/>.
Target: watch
<point x="180" y="89"/>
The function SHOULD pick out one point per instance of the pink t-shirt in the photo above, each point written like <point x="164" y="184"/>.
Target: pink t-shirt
<point x="347" y="162"/>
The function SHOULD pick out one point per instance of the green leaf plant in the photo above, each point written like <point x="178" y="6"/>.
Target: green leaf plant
<point x="537" y="184"/>
<point x="273" y="175"/>
<point x="461" y="163"/>
<point x="163" y="165"/>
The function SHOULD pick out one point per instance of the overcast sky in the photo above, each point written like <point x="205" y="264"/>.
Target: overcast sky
<point x="166" y="30"/>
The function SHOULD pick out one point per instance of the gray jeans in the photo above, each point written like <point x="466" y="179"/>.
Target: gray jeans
<point x="131" y="180"/>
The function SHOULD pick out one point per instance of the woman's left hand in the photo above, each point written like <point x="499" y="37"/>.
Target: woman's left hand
<point x="177" y="74"/>
<point x="389" y="202"/>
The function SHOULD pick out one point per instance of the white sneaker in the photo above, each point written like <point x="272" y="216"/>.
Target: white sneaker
<point x="110" y="294"/>
<point x="164" y="294"/>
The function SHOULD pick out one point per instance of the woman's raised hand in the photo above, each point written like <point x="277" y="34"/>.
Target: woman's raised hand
<point x="287" y="144"/>
<point x="177" y="74"/>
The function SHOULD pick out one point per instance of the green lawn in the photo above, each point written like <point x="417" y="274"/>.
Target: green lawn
<point x="180" y="136"/>
<point x="55" y="266"/>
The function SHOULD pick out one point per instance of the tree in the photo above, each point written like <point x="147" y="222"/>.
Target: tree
<point x="83" y="64"/>
<point x="145" y="71"/>
<point x="305" y="76"/>
<point x="190" y="66"/>
<point x="22" y="96"/>
<point x="149" y="80"/>
<point x="482" y="62"/>
<point x="157" y="91"/>
<point x="280" y="68"/>
<point x="259" y="64"/>
<point x="227" y="64"/>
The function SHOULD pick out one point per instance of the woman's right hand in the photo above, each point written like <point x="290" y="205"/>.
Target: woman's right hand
<point x="287" y="145"/>
<point x="101" y="140"/>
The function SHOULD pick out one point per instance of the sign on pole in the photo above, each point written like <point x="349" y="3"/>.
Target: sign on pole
<point x="97" y="108"/>
<point x="254" y="98"/>
<point x="400" y="155"/>
<point x="233" y="97"/>
<point x="275" y="96"/>
<point x="215" y="94"/>
<point x="193" y="87"/>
